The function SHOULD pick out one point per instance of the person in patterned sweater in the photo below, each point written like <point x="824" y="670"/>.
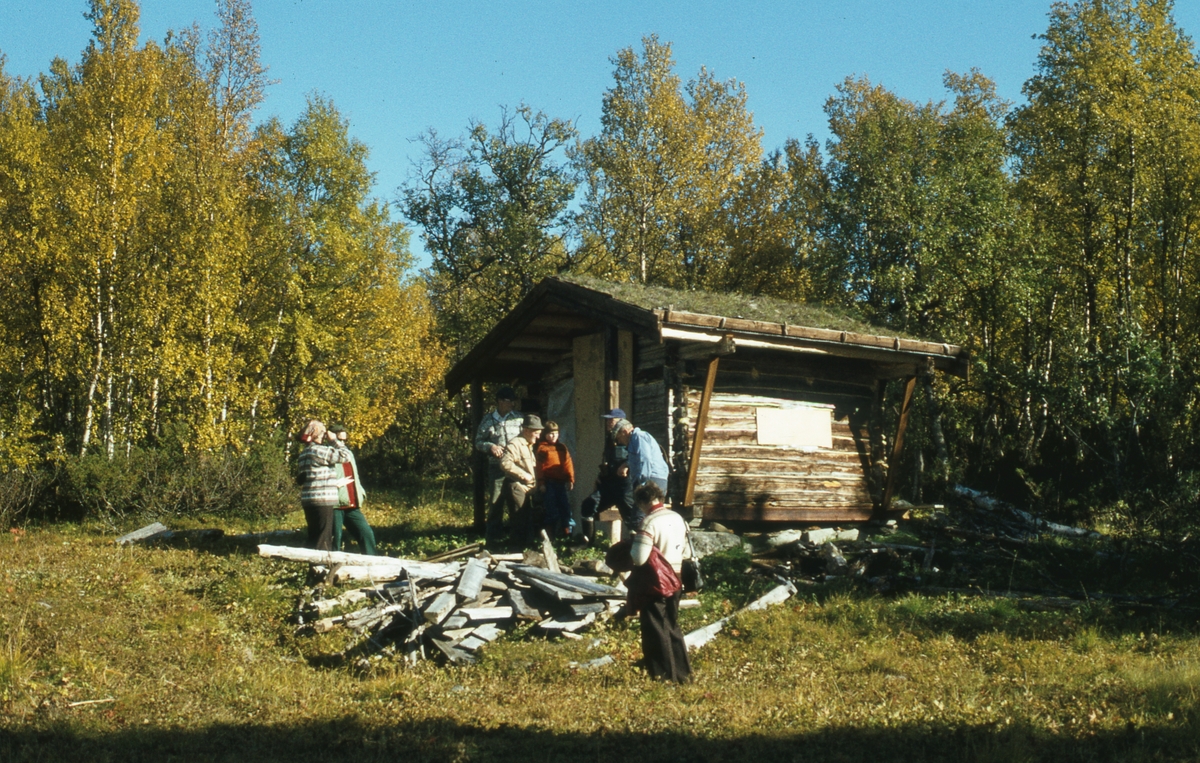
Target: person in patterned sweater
<point x="320" y="478"/>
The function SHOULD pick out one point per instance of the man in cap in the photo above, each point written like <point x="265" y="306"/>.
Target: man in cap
<point x="499" y="427"/>
<point x="519" y="464"/>
<point x="613" y="488"/>
<point x="646" y="461"/>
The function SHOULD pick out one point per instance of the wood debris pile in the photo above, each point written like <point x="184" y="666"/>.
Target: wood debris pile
<point x="449" y="609"/>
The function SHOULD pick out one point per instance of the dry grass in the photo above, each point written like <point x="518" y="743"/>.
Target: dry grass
<point x="194" y="647"/>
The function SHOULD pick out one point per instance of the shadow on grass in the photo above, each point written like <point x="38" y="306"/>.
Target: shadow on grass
<point x="352" y="740"/>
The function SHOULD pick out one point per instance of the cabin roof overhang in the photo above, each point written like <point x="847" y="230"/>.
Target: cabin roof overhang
<point x="540" y="332"/>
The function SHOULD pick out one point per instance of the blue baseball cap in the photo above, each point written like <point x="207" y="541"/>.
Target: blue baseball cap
<point x="615" y="413"/>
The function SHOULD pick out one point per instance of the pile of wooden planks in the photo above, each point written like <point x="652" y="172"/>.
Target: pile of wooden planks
<point x="448" y="609"/>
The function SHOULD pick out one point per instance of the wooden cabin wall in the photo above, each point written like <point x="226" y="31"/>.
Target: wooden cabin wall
<point x="739" y="479"/>
<point x="650" y="382"/>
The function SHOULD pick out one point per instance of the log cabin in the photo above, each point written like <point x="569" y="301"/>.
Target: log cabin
<point x="768" y="411"/>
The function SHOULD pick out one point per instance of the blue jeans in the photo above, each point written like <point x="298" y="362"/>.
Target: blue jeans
<point x="556" y="507"/>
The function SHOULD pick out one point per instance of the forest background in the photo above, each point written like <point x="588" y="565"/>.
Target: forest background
<point x="183" y="286"/>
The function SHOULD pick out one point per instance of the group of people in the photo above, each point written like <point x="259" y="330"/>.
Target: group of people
<point x="331" y="492"/>
<point x="526" y="458"/>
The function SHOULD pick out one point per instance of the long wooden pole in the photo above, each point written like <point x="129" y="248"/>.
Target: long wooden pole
<point x="689" y="493"/>
<point x="479" y="460"/>
<point x="898" y="445"/>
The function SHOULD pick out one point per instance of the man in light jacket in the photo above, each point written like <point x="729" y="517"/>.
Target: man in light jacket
<point x="519" y="464"/>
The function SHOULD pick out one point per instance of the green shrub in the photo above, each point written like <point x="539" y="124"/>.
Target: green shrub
<point x="169" y="481"/>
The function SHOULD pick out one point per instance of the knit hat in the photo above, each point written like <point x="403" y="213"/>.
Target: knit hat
<point x="551" y="426"/>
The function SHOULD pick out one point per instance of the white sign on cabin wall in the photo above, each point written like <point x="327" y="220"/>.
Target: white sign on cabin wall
<point x="805" y="427"/>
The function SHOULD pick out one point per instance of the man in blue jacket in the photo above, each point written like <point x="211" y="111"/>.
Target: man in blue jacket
<point x="646" y="462"/>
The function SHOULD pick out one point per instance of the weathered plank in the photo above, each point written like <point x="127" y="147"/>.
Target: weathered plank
<point x="484" y="614"/>
<point x="155" y="531"/>
<point x="472" y="578"/>
<point x="522" y="609"/>
<point x="549" y="553"/>
<point x="804" y="513"/>
<point x="558" y="594"/>
<point x="441" y="606"/>
<point x="570" y="626"/>
<point x="567" y="581"/>
<point x="702" y="636"/>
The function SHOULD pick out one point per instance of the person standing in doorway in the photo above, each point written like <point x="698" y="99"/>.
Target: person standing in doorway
<point x="498" y="428"/>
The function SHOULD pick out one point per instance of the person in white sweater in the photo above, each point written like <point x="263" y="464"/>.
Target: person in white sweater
<point x="663" y="646"/>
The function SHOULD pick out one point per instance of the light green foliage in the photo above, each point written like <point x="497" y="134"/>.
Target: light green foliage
<point x="1108" y="161"/>
<point x="492" y="207"/>
<point x="663" y="175"/>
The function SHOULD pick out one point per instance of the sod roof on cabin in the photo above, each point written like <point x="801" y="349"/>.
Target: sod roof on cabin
<point x="732" y="305"/>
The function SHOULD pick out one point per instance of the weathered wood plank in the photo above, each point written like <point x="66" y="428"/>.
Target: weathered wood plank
<point x="155" y="531"/>
<point x="569" y="582"/>
<point x="521" y="607"/>
<point x="439" y="607"/>
<point x="472" y="578"/>
<point x="799" y="513"/>
<point x="484" y="614"/>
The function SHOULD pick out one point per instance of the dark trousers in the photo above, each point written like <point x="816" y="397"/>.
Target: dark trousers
<point x="613" y="493"/>
<point x="662" y="640"/>
<point x="556" y="509"/>
<point x="320" y="526"/>
<point x="496" y="500"/>
<point x="357" y="528"/>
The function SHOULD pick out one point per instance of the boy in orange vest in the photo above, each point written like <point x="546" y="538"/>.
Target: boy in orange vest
<point x="556" y="478"/>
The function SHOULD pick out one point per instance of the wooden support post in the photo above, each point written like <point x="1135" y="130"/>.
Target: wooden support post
<point x="701" y="423"/>
<point x="898" y="445"/>
<point x="478" y="460"/>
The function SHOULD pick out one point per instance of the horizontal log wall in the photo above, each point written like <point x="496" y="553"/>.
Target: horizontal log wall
<point x="739" y="479"/>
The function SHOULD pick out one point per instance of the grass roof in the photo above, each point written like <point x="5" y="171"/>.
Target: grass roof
<point x="732" y="305"/>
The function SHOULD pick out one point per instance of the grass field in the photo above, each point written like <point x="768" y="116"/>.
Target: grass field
<point x="191" y="656"/>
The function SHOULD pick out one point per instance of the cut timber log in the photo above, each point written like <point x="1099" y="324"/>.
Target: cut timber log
<point x="702" y="636"/>
<point x="155" y="531"/>
<point x="472" y="578"/>
<point x="415" y="569"/>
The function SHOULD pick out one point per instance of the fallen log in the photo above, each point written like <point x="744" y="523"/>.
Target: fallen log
<point x="776" y="595"/>
<point x="987" y="503"/>
<point x="385" y="564"/>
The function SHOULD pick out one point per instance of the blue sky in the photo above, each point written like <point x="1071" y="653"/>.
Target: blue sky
<point x="397" y="67"/>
